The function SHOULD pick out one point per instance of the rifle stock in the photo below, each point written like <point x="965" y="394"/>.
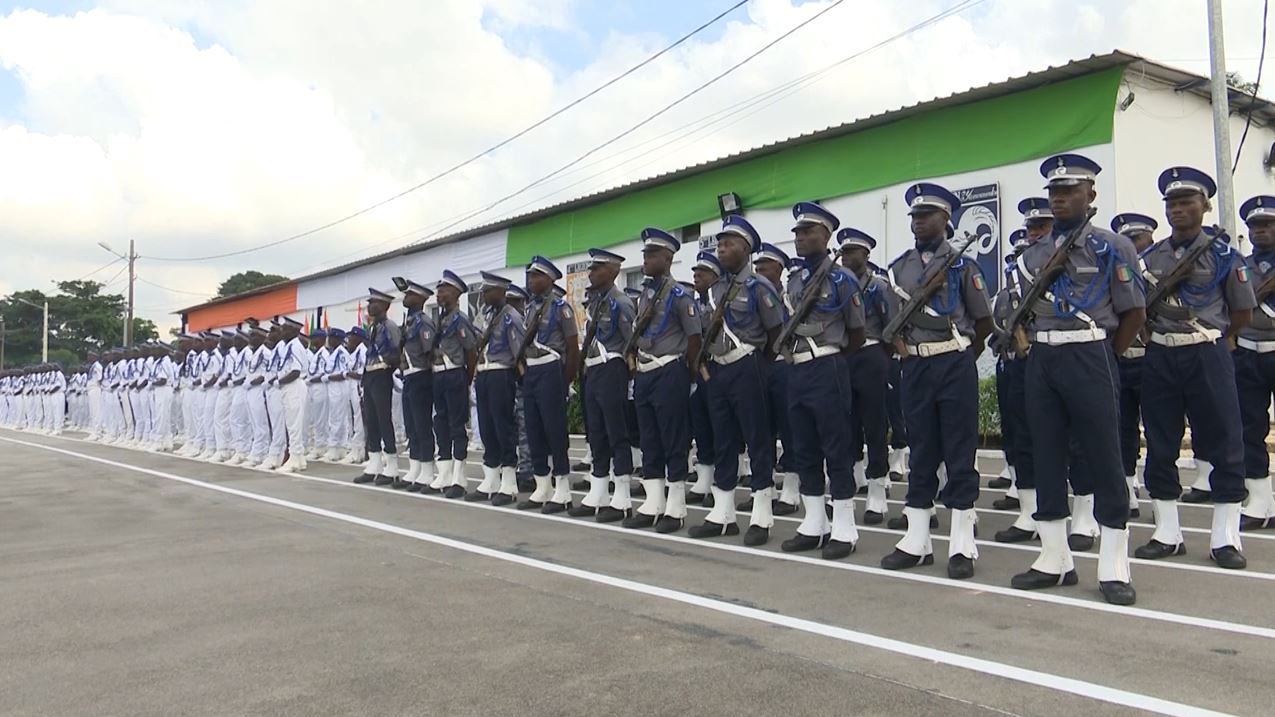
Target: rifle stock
<point x="892" y="333"/>
<point x="716" y="321"/>
<point x="1015" y="333"/>
<point x="809" y="293"/>
<point x="1171" y="281"/>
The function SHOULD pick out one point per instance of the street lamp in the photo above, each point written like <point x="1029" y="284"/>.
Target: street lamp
<point x="132" y="277"/>
<point x="44" y="346"/>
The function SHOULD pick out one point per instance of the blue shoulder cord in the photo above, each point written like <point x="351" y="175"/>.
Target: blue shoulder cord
<point x="1199" y="296"/>
<point x="1067" y="304"/>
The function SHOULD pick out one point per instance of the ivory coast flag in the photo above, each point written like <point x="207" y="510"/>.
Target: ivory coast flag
<point x="1124" y="274"/>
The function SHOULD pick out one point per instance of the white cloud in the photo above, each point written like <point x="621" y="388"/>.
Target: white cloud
<point x="207" y="127"/>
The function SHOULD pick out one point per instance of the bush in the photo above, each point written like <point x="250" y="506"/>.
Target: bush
<point x="989" y="413"/>
<point x="575" y="412"/>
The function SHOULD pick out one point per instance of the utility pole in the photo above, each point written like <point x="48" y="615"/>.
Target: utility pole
<point x="1221" y="120"/>
<point x="132" y="279"/>
<point x="44" y="343"/>
<point x="1" y="342"/>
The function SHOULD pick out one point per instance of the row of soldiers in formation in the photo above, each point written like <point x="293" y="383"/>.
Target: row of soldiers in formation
<point x="1108" y="335"/>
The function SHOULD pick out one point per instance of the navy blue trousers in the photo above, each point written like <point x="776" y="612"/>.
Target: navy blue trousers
<point x="1130" y="412"/>
<point x="780" y="429"/>
<point x="819" y="406"/>
<point x="1255" y="380"/>
<point x="495" y="392"/>
<point x="451" y="410"/>
<point x="378" y="421"/>
<point x="608" y="429"/>
<point x="894" y="405"/>
<point x="662" y="400"/>
<point x="1200" y="381"/>
<point x="940" y="406"/>
<point x="1073" y="413"/>
<point x="1011" y="388"/>
<point x="869" y="371"/>
<point x="418" y="415"/>
<point x="544" y="402"/>
<point x="740" y="410"/>
<point x="702" y="424"/>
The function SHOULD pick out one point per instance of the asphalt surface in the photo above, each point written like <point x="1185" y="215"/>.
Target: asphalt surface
<point x="134" y="584"/>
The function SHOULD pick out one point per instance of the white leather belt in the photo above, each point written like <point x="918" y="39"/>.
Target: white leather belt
<point x="413" y="370"/>
<point x="870" y="342"/>
<point x="599" y="360"/>
<point x="818" y="352"/>
<point x="1207" y="336"/>
<point x="492" y="366"/>
<point x="936" y="348"/>
<point x="1058" y="338"/>
<point x="1261" y="347"/>
<point x="1134" y="352"/>
<point x="378" y="366"/>
<point x="734" y="355"/>
<point x="542" y="360"/>
<point x="646" y="362"/>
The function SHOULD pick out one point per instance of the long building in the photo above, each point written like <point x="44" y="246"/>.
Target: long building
<point x="1132" y="115"/>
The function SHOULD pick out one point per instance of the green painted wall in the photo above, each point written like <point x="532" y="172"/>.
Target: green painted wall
<point x="1013" y="128"/>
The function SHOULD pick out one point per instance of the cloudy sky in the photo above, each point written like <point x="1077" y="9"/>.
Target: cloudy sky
<point x="202" y="128"/>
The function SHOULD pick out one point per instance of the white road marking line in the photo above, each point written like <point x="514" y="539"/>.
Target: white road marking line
<point x="1047" y="680"/>
<point x="975" y="587"/>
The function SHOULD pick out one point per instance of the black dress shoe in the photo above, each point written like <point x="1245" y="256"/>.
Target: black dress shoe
<point x="637" y="491"/>
<point x="1034" y="579"/>
<point x="1001" y="483"/>
<point x="426" y="489"/>
<point x="871" y="517"/>
<point x="582" y="511"/>
<point x="1118" y="593"/>
<point x="581" y="467"/>
<point x="901" y="522"/>
<point x="552" y="508"/>
<point x="709" y="529"/>
<point x="526" y="483"/>
<point x="365" y="478"/>
<point x="693" y="498"/>
<point x="530" y="504"/>
<point x="580" y="484"/>
<point x="503" y="499"/>
<point x="1014" y="534"/>
<point x="960" y="567"/>
<point x="1079" y="542"/>
<point x="399" y="484"/>
<point x="607" y="514"/>
<point x="1248" y="522"/>
<point x="1155" y="550"/>
<point x="837" y="549"/>
<point x="1228" y="557"/>
<point x="414" y="487"/>
<point x="745" y="505"/>
<point x="667" y="524"/>
<point x="782" y="508"/>
<point x="637" y="521"/>
<point x="1006" y="503"/>
<point x="383" y="480"/>
<point x="896" y="476"/>
<point x="454" y="492"/>
<point x="756" y="535"/>
<point x="899" y="560"/>
<point x="801" y="543"/>
<point x="1196" y="495"/>
<point x="477" y="496"/>
<point x="709" y="501"/>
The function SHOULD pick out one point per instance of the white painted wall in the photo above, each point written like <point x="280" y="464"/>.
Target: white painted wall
<point x="1164" y="128"/>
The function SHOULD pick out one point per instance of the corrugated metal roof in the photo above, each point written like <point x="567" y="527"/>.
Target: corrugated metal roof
<point x="1263" y="110"/>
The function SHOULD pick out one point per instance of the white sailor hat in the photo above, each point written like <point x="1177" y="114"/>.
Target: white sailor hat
<point x="708" y="261"/>
<point x="378" y="295"/>
<point x="450" y="278"/>
<point x="1017" y="238"/>
<point x="1033" y="208"/>
<point x="735" y="225"/>
<point x="494" y="281"/>
<point x="602" y="256"/>
<point x="1068" y="169"/>
<point x="1176" y="181"/>
<point x="850" y="236"/>
<point x="925" y="196"/>
<point x="1130" y="223"/>
<point x="1263" y="205"/>
<point x="544" y="266"/>
<point x="810" y="213"/>
<point x="770" y="252"/>
<point x="654" y="237"/>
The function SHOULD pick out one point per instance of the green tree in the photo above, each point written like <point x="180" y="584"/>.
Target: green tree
<point x="81" y="319"/>
<point x="247" y="281"/>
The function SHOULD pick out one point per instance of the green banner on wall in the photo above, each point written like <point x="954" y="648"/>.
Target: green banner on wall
<point x="1013" y="128"/>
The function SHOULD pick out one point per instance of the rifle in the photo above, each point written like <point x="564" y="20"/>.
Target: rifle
<point x="485" y="339"/>
<point x="1169" y="284"/>
<point x="809" y="294"/>
<point x="1265" y="290"/>
<point x="715" y="324"/>
<point x="643" y="322"/>
<point x="533" y="328"/>
<point x="891" y="334"/>
<point x="1015" y="332"/>
<point x="590" y="335"/>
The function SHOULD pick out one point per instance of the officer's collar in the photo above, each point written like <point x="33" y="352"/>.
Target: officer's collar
<point x="1175" y="243"/>
<point x="930" y="246"/>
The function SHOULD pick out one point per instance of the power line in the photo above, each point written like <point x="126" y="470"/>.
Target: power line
<point x="476" y="157"/>
<point x="1257" y="83"/>
<point x="175" y="291"/>
<point x="651" y="117"/>
<point x="107" y="265"/>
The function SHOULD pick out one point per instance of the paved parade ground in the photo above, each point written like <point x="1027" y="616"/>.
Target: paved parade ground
<point x="144" y="584"/>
